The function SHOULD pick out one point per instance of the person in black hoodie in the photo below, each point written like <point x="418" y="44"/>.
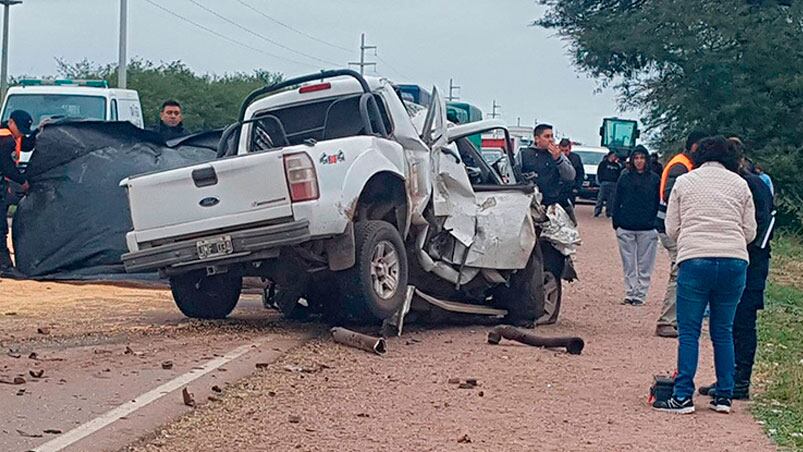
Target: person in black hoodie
<point x="634" y="209"/>
<point x="608" y="173"/>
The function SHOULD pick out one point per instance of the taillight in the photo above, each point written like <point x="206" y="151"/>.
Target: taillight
<point x="313" y="88"/>
<point x="301" y="178"/>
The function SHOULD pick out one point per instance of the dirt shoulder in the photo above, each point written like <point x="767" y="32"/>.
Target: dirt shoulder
<point x="327" y="397"/>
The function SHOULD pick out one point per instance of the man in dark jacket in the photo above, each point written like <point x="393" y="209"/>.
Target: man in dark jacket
<point x="545" y="165"/>
<point x="171" y="124"/>
<point x="608" y="173"/>
<point x="12" y="135"/>
<point x="745" y="340"/>
<point x="634" y="208"/>
<point x="569" y="190"/>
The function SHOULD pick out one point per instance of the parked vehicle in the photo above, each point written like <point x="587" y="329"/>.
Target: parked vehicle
<point x="591" y="156"/>
<point x="415" y="94"/>
<point x="328" y="190"/>
<point x="74" y="99"/>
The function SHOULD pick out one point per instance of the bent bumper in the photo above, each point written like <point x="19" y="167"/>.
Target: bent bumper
<point x="246" y="244"/>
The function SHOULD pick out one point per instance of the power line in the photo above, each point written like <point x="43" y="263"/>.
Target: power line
<point x="224" y="37"/>
<point x="391" y="67"/>
<point x="261" y="36"/>
<point x="302" y="33"/>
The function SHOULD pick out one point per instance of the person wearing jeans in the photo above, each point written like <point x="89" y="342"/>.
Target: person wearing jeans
<point x="745" y="338"/>
<point x="634" y="209"/>
<point x="711" y="216"/>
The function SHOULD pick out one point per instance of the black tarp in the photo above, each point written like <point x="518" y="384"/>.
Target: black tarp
<point x="72" y="223"/>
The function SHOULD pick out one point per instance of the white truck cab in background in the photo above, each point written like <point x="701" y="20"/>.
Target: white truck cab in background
<point x="76" y="99"/>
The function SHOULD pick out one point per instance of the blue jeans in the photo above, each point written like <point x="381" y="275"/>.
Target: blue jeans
<point x="717" y="283"/>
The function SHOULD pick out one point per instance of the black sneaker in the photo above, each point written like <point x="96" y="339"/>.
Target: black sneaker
<point x="720" y="404"/>
<point x="674" y="405"/>
<point x="637" y="302"/>
<point x="627" y="301"/>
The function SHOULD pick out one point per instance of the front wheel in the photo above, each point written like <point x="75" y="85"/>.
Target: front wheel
<point x="524" y="296"/>
<point x="553" y="293"/>
<point x="201" y="296"/>
<point x="375" y="288"/>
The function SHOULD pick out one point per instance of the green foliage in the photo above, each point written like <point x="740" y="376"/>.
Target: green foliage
<point x="207" y="101"/>
<point x="732" y="67"/>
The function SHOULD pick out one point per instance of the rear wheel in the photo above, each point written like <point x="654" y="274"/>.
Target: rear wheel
<point x="376" y="286"/>
<point x="200" y="296"/>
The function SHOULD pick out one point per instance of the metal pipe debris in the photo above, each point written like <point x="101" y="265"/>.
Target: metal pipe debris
<point x="358" y="340"/>
<point x="573" y="345"/>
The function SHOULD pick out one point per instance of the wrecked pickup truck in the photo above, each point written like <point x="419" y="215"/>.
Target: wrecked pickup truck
<point x="347" y="201"/>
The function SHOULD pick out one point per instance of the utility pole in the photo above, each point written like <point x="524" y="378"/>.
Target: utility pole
<point x="452" y="88"/>
<point x="518" y="121"/>
<point x="4" y="69"/>
<point x="495" y="106"/>
<point x="122" y="63"/>
<point x="362" y="62"/>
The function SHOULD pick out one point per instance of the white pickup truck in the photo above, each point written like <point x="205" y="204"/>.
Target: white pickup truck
<point x="341" y="196"/>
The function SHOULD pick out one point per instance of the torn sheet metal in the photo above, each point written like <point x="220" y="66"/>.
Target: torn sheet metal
<point x="505" y="231"/>
<point x="453" y="198"/>
<point x="560" y="231"/>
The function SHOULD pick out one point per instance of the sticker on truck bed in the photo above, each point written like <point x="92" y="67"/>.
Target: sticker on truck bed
<point x="332" y="159"/>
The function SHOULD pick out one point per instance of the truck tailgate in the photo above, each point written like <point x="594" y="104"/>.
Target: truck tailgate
<point x="221" y="189"/>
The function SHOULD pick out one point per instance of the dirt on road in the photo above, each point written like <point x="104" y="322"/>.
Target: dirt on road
<point x="323" y="396"/>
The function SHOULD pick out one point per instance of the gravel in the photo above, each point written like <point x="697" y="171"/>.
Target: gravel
<point x="530" y="398"/>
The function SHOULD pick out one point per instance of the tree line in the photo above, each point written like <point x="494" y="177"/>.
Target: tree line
<point x="731" y="67"/>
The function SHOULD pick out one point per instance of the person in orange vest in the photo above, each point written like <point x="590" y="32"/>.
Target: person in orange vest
<point x="12" y="134"/>
<point x="679" y="165"/>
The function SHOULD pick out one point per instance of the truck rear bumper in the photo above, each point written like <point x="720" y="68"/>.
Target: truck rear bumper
<point x="245" y="244"/>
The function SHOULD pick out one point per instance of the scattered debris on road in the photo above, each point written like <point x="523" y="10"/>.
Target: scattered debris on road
<point x="10" y="313"/>
<point x="358" y="340"/>
<point x="29" y="435"/>
<point x="464" y="439"/>
<point x="262" y="365"/>
<point x="43" y="330"/>
<point x="167" y="365"/>
<point x="573" y="345"/>
<point x="294" y="419"/>
<point x="217" y="389"/>
<point x="189" y="399"/>
<point x="15" y="381"/>
<point x="53" y="431"/>
<point x="37" y="373"/>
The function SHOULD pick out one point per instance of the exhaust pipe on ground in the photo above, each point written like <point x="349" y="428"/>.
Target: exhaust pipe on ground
<point x="358" y="340"/>
<point x="573" y="345"/>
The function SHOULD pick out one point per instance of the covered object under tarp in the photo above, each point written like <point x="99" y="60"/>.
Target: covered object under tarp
<point x="72" y="223"/>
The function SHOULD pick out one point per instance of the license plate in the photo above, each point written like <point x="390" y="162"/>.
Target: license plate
<point x="216" y="247"/>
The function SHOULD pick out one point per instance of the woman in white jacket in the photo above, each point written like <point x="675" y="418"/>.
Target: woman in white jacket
<point x="712" y="217"/>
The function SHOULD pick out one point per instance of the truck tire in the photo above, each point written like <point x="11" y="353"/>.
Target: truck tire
<point x="553" y="294"/>
<point x="554" y="263"/>
<point x="524" y="296"/>
<point x="376" y="286"/>
<point x="200" y="296"/>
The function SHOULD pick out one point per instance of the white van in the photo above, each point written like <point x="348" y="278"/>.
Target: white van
<point x="78" y="99"/>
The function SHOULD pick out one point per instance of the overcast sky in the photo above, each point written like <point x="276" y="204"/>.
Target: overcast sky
<point x="489" y="49"/>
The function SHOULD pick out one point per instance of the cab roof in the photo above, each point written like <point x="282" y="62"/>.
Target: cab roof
<point x="334" y="87"/>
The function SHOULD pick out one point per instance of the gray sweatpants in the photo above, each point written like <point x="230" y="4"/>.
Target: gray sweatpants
<point x="638" y="249"/>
